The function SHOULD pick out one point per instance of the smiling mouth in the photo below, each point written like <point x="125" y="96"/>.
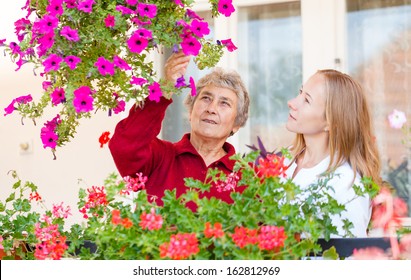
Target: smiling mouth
<point x="291" y="116"/>
<point x="209" y="121"/>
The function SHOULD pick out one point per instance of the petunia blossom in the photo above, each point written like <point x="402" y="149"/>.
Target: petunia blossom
<point x="104" y="66"/>
<point x="154" y="92"/>
<point x="71" y="4"/>
<point x="49" y="138"/>
<point x="86" y="6"/>
<point x="120" y="63"/>
<point x="180" y="82"/>
<point x="52" y="63"/>
<point x="124" y="10"/>
<point x="132" y="2"/>
<point x="193" y="87"/>
<point x="55" y="8"/>
<point x="397" y="119"/>
<point x="10" y="108"/>
<point x="137" y="43"/>
<point x="229" y="45"/>
<point x="137" y="81"/>
<point x="47" y="24"/>
<point x="225" y="7"/>
<point x="83" y="101"/>
<point x="121" y="106"/>
<point x="72" y="61"/>
<point x="58" y="96"/>
<point x="190" y="46"/>
<point x="199" y="28"/>
<point x="110" y="21"/>
<point x="70" y="34"/>
<point x="147" y="10"/>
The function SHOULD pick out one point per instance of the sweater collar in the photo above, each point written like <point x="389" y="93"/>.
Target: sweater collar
<point x="185" y="146"/>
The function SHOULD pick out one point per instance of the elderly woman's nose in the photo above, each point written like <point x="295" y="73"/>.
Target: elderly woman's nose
<point x="212" y="106"/>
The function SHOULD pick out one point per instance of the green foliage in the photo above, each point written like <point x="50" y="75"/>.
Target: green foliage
<point x="98" y="40"/>
<point x="304" y="215"/>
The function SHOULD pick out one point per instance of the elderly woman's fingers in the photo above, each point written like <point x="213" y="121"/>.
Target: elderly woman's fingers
<point x="176" y="66"/>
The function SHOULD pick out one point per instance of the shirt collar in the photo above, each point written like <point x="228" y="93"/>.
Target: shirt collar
<point x="185" y="146"/>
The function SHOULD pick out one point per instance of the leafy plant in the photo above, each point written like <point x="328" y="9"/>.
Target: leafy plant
<point x="95" y="55"/>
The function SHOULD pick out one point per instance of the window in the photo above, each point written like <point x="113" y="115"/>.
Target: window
<point x="379" y="56"/>
<point x="270" y="61"/>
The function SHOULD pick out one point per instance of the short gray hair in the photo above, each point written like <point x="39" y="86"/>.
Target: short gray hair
<point x="225" y="79"/>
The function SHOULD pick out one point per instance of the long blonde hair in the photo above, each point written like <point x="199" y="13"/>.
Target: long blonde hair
<point x="351" y="136"/>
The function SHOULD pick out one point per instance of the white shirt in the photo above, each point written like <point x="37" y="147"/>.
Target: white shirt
<point x="358" y="210"/>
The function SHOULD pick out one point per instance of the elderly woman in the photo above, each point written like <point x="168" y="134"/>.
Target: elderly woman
<point x="218" y="110"/>
<point x="334" y="136"/>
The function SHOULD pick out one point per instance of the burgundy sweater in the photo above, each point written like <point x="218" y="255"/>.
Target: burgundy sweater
<point x="135" y="148"/>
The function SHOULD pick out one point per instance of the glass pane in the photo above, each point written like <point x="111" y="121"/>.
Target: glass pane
<point x="379" y="56"/>
<point x="270" y="61"/>
<point x="176" y="120"/>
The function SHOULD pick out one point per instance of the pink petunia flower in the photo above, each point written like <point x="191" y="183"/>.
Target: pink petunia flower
<point x="124" y="10"/>
<point x="190" y="46"/>
<point x="52" y="62"/>
<point x="178" y="2"/>
<point x="120" y="63"/>
<point x="199" y="28"/>
<point x="193" y="15"/>
<point x="132" y="2"/>
<point x="193" y="87"/>
<point x="226" y="7"/>
<point x="10" y="109"/>
<point x="86" y="6"/>
<point x="47" y="24"/>
<point x="55" y="8"/>
<point x="147" y="10"/>
<point x="104" y="66"/>
<point x="46" y="42"/>
<point x="397" y="119"/>
<point x="70" y="34"/>
<point x="110" y="21"/>
<point x="137" y="43"/>
<point x="154" y="92"/>
<point x="229" y="45"/>
<point x="121" y="106"/>
<point x="58" y="96"/>
<point x="71" y="4"/>
<point x="137" y="81"/>
<point x="49" y="138"/>
<point x="72" y="61"/>
<point x="46" y="85"/>
<point x="83" y="101"/>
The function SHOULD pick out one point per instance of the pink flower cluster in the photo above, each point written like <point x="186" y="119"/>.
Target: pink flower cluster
<point x="134" y="184"/>
<point x="229" y="184"/>
<point x="97" y="197"/>
<point x="151" y="221"/>
<point x="43" y="38"/>
<point x="51" y="244"/>
<point x="181" y="246"/>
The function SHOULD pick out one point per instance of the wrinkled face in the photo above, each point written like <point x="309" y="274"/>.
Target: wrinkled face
<point x="307" y="110"/>
<point x="214" y="113"/>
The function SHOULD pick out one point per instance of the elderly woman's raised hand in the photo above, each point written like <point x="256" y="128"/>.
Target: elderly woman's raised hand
<point x="176" y="66"/>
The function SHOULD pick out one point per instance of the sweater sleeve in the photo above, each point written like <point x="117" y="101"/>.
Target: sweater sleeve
<point x="134" y="144"/>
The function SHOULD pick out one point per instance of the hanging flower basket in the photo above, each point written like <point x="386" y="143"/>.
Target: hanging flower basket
<point x="94" y="55"/>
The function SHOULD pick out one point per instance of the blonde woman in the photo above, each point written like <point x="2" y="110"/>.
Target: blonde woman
<point x="334" y="136"/>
